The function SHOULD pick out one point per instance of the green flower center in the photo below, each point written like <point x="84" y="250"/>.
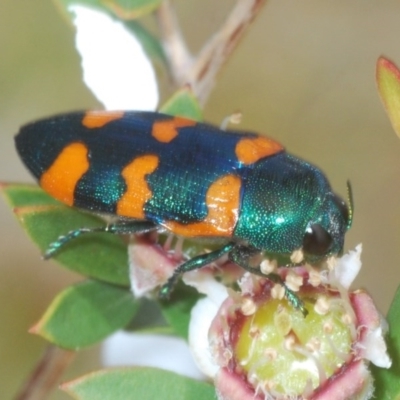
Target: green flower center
<point x="283" y="352"/>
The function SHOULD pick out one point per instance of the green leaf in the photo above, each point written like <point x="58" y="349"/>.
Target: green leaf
<point x="388" y="80"/>
<point x="86" y="313"/>
<point x="137" y="384"/>
<point x="177" y="309"/>
<point x="131" y="9"/>
<point x="151" y="45"/>
<point x="63" y="6"/>
<point x="183" y="104"/>
<point x="98" y="255"/>
<point x="387" y="383"/>
<point x="149" y="318"/>
<point x="24" y="195"/>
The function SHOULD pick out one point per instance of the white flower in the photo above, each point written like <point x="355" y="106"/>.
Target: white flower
<point x="150" y="350"/>
<point x="114" y="64"/>
<point x="262" y="347"/>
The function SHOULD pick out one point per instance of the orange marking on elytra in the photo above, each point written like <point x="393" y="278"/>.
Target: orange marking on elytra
<point x="167" y="130"/>
<point x="250" y="150"/>
<point x="97" y="119"/>
<point x="223" y="201"/>
<point x="131" y="204"/>
<point x="61" y="178"/>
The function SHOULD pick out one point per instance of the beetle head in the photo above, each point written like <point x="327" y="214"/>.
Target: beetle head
<point x="324" y="236"/>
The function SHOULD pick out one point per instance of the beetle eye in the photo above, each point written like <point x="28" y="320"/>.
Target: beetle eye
<point x="317" y="240"/>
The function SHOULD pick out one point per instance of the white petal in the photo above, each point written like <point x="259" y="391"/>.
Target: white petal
<point x="348" y="267"/>
<point x="149" y="266"/>
<point x="125" y="348"/>
<point x="201" y="317"/>
<point x="114" y="64"/>
<point x="375" y="350"/>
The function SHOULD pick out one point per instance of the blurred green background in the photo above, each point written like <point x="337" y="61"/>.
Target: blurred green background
<point x="304" y="74"/>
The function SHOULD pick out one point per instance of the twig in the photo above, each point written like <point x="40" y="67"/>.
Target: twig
<point x="46" y="374"/>
<point x="173" y="42"/>
<point x="201" y="72"/>
<point x="215" y="53"/>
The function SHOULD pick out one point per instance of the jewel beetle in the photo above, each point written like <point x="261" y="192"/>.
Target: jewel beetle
<point x="159" y="172"/>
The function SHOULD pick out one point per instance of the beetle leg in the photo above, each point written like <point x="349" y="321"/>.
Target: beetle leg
<point x="192" y="264"/>
<point x="118" y="228"/>
<point x="240" y="255"/>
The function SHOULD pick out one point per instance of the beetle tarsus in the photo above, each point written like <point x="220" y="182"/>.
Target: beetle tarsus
<point x="55" y="246"/>
<point x="118" y="228"/>
<point x="240" y="255"/>
<point x="295" y="301"/>
<point x="166" y="289"/>
<point x="191" y="265"/>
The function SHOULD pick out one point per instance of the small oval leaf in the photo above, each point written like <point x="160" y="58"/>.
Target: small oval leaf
<point x="386" y="381"/>
<point x="85" y="313"/>
<point x="137" y="384"/>
<point x="24" y="195"/>
<point x="388" y="80"/>
<point x="176" y="310"/>
<point x="98" y="255"/>
<point x="151" y="44"/>
<point x="64" y="6"/>
<point x="183" y="104"/>
<point x="131" y="9"/>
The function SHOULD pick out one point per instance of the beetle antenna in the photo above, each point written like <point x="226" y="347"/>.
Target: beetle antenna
<point x="351" y="204"/>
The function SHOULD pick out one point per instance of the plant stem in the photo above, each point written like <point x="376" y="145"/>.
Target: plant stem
<point x="173" y="42"/>
<point x="46" y="374"/>
<point x="215" y="53"/>
<point x="200" y="73"/>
